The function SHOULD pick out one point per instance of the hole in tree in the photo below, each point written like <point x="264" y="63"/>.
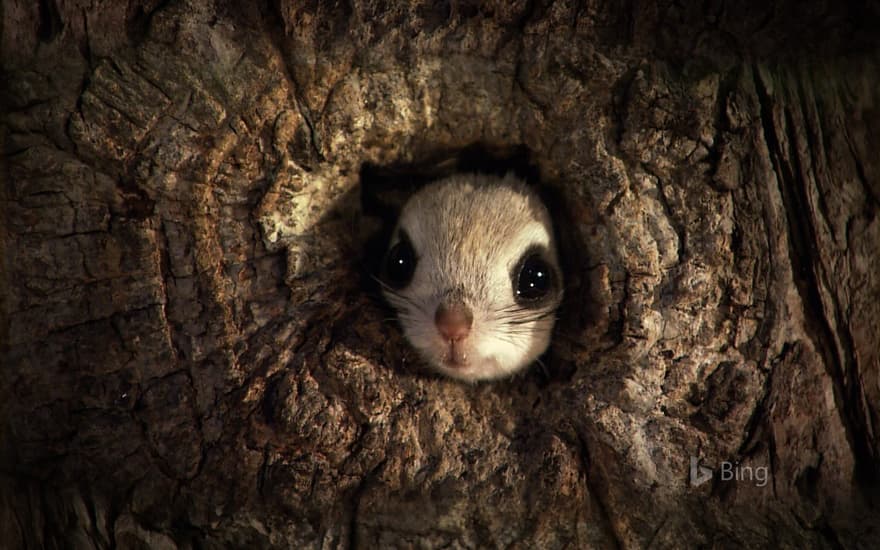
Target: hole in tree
<point x="386" y="188"/>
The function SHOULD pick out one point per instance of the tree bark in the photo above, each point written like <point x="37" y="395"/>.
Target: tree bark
<point x="191" y="358"/>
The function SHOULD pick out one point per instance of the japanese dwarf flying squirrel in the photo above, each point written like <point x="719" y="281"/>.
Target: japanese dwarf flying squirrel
<point x="472" y="271"/>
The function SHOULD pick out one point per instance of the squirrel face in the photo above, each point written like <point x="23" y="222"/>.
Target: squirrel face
<point x="473" y="273"/>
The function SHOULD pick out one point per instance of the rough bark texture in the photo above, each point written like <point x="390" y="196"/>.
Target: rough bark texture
<point x="190" y="358"/>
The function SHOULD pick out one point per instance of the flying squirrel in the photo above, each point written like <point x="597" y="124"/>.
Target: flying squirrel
<point x="473" y="274"/>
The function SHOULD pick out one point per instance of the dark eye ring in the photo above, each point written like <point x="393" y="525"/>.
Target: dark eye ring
<point x="400" y="263"/>
<point x="534" y="279"/>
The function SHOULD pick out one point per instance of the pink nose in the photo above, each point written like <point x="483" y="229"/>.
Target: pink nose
<point x="453" y="322"/>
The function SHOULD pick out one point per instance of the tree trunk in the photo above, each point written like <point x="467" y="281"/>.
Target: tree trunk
<point x="192" y="360"/>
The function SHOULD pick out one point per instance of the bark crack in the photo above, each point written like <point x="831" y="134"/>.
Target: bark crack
<point x="602" y="508"/>
<point x="803" y="258"/>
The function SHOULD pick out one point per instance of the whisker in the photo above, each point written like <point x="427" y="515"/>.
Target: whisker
<point x="527" y="320"/>
<point x="521" y="321"/>
<point x="516" y="308"/>
<point x="521" y="312"/>
<point x="387" y="288"/>
<point x="401" y="299"/>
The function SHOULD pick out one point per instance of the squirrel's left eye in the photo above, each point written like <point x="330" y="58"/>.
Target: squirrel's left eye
<point x="534" y="279"/>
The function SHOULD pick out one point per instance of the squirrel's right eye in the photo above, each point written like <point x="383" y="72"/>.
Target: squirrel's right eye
<point x="400" y="263"/>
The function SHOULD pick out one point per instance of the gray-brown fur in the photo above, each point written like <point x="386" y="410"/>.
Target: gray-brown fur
<point x="468" y="232"/>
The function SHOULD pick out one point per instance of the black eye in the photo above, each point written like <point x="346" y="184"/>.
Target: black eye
<point x="534" y="279"/>
<point x="400" y="263"/>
